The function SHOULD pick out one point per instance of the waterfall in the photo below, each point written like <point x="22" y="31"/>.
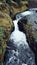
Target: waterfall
<point x="17" y="35"/>
<point x="23" y="55"/>
<point x="15" y="24"/>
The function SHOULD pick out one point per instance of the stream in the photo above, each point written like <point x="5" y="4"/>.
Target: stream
<point x="20" y="54"/>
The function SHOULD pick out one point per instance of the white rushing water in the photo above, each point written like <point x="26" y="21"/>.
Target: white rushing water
<point x="17" y="35"/>
<point x="23" y="52"/>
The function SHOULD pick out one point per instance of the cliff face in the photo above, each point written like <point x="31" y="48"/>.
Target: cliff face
<point x="28" y="25"/>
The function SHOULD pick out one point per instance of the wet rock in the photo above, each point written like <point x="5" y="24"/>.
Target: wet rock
<point x="20" y="24"/>
<point x="12" y="58"/>
<point x="11" y="45"/>
<point x="23" y="55"/>
<point x="29" y="29"/>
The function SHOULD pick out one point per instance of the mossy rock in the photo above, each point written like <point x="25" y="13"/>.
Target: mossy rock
<point x="7" y="24"/>
<point x="6" y="21"/>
